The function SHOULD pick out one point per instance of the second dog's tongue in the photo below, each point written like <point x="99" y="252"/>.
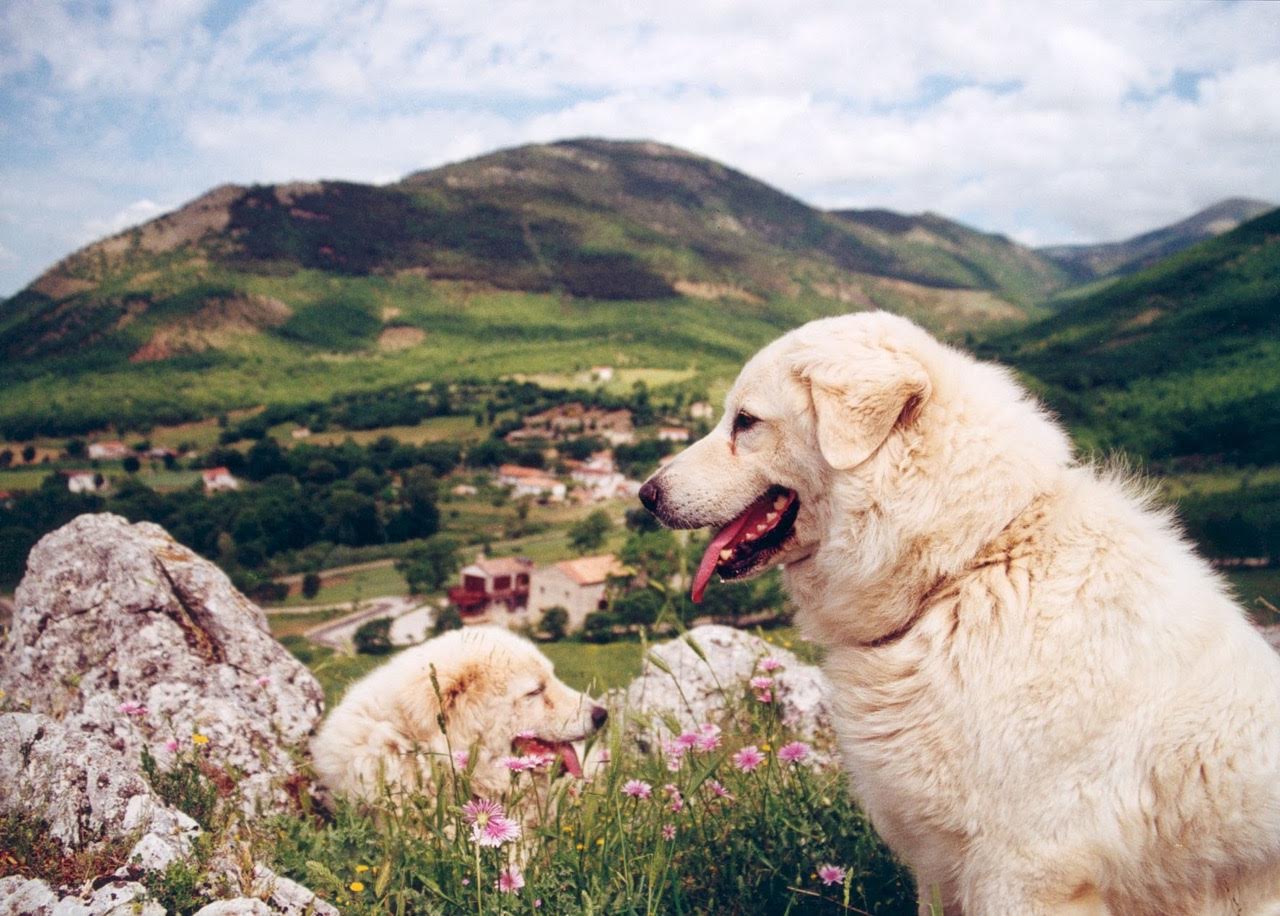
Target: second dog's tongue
<point x="712" y="556"/>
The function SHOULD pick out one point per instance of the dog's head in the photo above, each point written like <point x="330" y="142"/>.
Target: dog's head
<point x="496" y="692"/>
<point x="862" y="432"/>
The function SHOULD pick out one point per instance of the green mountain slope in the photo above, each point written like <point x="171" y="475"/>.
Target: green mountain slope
<point x="1178" y="361"/>
<point x="542" y="258"/>
<point x="1090" y="262"/>
<point x="943" y="247"/>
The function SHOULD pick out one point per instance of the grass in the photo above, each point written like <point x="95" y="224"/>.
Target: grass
<point x="360" y="585"/>
<point x="1252" y="584"/>
<point x="297" y="624"/>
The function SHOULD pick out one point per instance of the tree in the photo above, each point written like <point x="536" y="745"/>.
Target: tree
<point x="449" y="618"/>
<point x="418" y="516"/>
<point x="76" y="448"/>
<point x="555" y="622"/>
<point x="373" y="637"/>
<point x="588" y="534"/>
<point x="310" y="585"/>
<point x="429" y="565"/>
<point x="654" y="553"/>
<point x="641" y="519"/>
<point x="28" y="454"/>
<point x="132" y="464"/>
<point x="6" y="458"/>
<point x="640" y="608"/>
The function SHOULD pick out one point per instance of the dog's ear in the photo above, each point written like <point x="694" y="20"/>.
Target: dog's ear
<point x="438" y="698"/>
<point x="859" y="397"/>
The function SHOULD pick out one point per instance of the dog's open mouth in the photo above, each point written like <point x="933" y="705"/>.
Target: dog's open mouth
<point x="747" y="542"/>
<point x="563" y="751"/>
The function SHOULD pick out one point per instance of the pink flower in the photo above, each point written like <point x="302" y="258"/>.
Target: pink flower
<point x="497" y="830"/>
<point x="263" y="681"/>
<point x="687" y="740"/>
<point x="510" y="880"/>
<point x="748" y="758"/>
<point x="769" y="663"/>
<point x="637" y="788"/>
<point x="668" y="831"/>
<point x="466" y="882"/>
<point x="708" y="737"/>
<point x="761" y="683"/>
<point x="718" y="790"/>
<point x="461" y="759"/>
<point x="677" y="800"/>
<point x="171" y="745"/>
<point x="537" y="904"/>
<point x="831" y="874"/>
<point x="130" y="708"/>
<point x="794" y="752"/>
<point x="479" y="810"/>
<point x="527" y="762"/>
<point x="674" y="751"/>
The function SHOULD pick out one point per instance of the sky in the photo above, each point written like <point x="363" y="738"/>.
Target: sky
<point x="1052" y="123"/>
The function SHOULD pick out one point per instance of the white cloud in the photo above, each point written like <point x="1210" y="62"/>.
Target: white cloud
<point x="137" y="212"/>
<point x="1052" y="123"/>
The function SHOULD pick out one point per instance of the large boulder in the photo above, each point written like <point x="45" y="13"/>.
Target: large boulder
<point x="125" y="636"/>
<point x="692" y="679"/>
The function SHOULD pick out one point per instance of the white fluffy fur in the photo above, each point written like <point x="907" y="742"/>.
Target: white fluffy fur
<point x="386" y="731"/>
<point x="1045" y="700"/>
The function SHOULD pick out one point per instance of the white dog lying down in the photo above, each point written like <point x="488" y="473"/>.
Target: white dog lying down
<point x="1045" y="701"/>
<point x="500" y="698"/>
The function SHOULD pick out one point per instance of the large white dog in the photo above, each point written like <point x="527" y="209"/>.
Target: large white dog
<point x="496" y="695"/>
<point x="1045" y="701"/>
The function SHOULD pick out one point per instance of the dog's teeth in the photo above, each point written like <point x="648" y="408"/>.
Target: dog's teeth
<point x="726" y="554"/>
<point x="761" y="527"/>
<point x="770" y="516"/>
<point x="780" y="503"/>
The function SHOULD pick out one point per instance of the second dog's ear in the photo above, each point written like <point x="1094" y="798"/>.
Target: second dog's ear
<point x="859" y="397"/>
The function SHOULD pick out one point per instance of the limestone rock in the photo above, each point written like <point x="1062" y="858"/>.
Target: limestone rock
<point x="128" y="637"/>
<point x="697" y="691"/>
<point x="20" y="896"/>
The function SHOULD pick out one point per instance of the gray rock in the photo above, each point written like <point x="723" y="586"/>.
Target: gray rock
<point x="240" y="906"/>
<point x="26" y="897"/>
<point x="128" y="637"/>
<point x="694" y="690"/>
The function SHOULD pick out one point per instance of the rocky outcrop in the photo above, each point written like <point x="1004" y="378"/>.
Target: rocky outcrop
<point x="692" y="679"/>
<point x="126" y="636"/>
<point x="124" y="642"/>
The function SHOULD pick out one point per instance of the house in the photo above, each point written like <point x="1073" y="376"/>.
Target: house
<point x="673" y="434"/>
<point x="502" y="584"/>
<point x="701" y="410"/>
<point x="530" y="482"/>
<point x="218" y="479"/>
<point x="84" y="481"/>
<point x="464" y="489"/>
<point x="566" y="420"/>
<point x="113" y="450"/>
<point x="575" y="585"/>
<point x="598" y="476"/>
<point x="602" y="373"/>
<point x="300" y="432"/>
<point x="160" y="452"/>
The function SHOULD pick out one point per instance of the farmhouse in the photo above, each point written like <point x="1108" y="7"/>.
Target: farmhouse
<point x="673" y="434"/>
<point x="218" y="479"/>
<point x="502" y="584"/>
<point x="566" y="420"/>
<point x="701" y="410"/>
<point x="112" y="450"/>
<point x="530" y="482"/>
<point x="84" y="481"/>
<point x="575" y="585"/>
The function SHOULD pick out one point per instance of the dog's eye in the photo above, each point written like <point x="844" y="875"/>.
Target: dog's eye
<point x="744" y="421"/>
<point x="540" y="689"/>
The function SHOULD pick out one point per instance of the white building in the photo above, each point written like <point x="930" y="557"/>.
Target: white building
<point x="673" y="434"/>
<point x="84" y="481"/>
<point x="113" y="450"/>
<point x="530" y="482"/>
<point x="701" y="410"/>
<point x="218" y="479"/>
<point x="575" y="585"/>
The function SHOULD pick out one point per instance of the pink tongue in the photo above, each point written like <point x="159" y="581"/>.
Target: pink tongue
<point x="712" y="556"/>
<point x="569" y="757"/>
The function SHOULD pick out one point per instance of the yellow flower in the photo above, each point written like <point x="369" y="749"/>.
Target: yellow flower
<point x="787" y="644"/>
<point x="567" y="828"/>
<point x="580" y="847"/>
<point x="600" y="841"/>
<point x="766" y="747"/>
<point x="356" y="886"/>
<point x="198" y="738"/>
<point x="361" y="868"/>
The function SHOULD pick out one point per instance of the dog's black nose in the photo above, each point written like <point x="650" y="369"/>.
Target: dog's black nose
<point x="650" y="494"/>
<point x="599" y="715"/>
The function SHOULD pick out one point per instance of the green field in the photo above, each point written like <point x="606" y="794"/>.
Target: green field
<point x="360" y="585"/>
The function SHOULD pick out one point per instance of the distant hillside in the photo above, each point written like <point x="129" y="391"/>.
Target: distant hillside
<point x="1181" y="360"/>
<point x="1090" y="262"/>
<point x="528" y="260"/>
<point x="972" y="258"/>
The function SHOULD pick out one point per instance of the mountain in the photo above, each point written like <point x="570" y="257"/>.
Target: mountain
<point x="1090" y="262"/>
<point x="969" y="257"/>
<point x="533" y="259"/>
<point x="1180" y="360"/>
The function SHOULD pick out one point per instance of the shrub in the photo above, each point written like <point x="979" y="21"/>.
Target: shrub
<point x="310" y="585"/>
<point x="555" y="622"/>
<point x="373" y="637"/>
